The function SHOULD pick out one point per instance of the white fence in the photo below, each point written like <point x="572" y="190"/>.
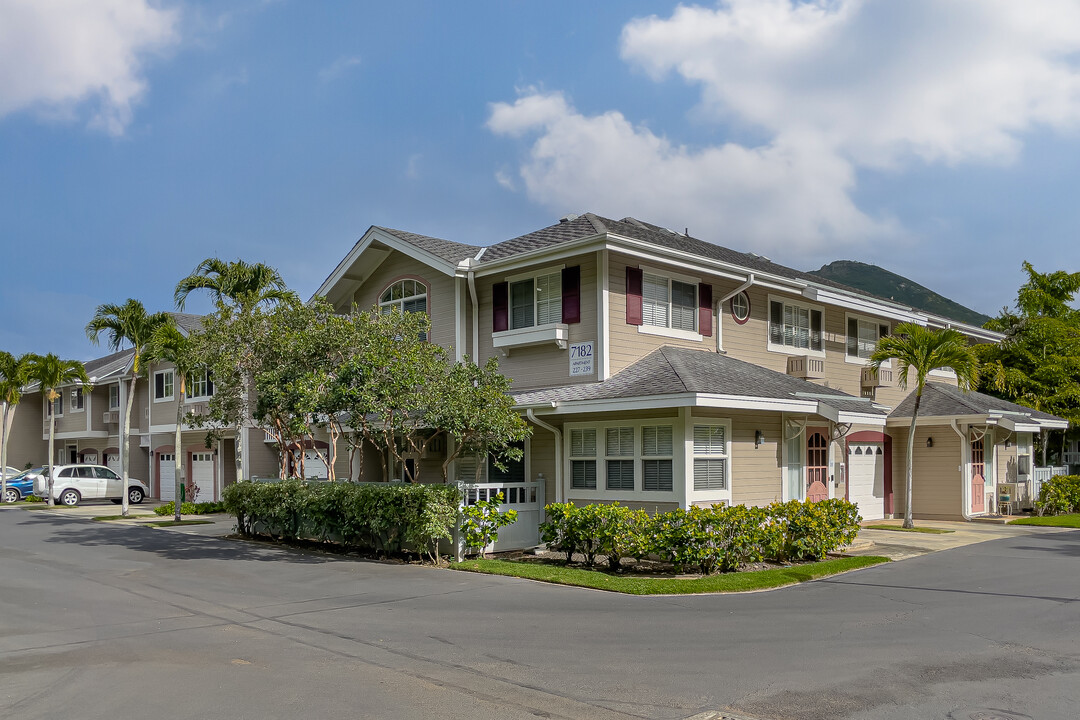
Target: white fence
<point x="1042" y="474"/>
<point x="527" y="498"/>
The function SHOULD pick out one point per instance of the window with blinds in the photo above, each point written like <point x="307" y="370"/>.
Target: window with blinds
<point x="583" y="459"/>
<point x="795" y="326"/>
<point x="657" y="449"/>
<point x="536" y="301"/>
<point x="863" y="336"/>
<point x="669" y="303"/>
<point x="710" y="457"/>
<point x="619" y="444"/>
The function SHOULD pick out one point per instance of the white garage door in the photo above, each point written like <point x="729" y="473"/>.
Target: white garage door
<point x="112" y="461"/>
<point x="866" y="479"/>
<point x="314" y="467"/>
<point x="168" y="476"/>
<point x="202" y="474"/>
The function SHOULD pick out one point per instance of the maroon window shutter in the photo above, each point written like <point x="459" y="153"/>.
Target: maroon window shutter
<point x="571" y="294"/>
<point x="633" y="296"/>
<point x="500" y="316"/>
<point x="704" y="309"/>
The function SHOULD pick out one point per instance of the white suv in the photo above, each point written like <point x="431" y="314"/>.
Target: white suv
<point x="88" y="482"/>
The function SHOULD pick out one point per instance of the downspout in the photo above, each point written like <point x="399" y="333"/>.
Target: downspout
<point x="720" y="310"/>
<point x="475" y="306"/>
<point x="965" y="488"/>
<point x="558" y="451"/>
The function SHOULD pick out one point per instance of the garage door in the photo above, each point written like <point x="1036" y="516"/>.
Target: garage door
<point x="202" y="474"/>
<point x="314" y="467"/>
<point x="168" y="476"/>
<point x="112" y="461"/>
<point x="866" y="479"/>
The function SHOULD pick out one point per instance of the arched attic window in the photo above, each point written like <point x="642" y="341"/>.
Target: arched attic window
<point x="407" y="295"/>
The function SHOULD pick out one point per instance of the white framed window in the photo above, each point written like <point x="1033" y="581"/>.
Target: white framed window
<point x="711" y="458"/>
<point x="114" y="397"/>
<point x="657" y="457"/>
<point x="795" y="327"/>
<point x="740" y="308"/>
<point x="163" y="386"/>
<point x="406" y="295"/>
<point x="78" y="400"/>
<point x="535" y="300"/>
<point x="200" y="386"/>
<point x="583" y="458"/>
<point x="619" y="458"/>
<point x="56" y="407"/>
<point x="863" y="335"/>
<point x="667" y="302"/>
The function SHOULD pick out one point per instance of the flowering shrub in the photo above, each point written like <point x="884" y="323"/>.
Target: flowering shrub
<point x="1059" y="495"/>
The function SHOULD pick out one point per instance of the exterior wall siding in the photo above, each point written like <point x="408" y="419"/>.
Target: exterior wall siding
<point x="937" y="492"/>
<point x="26" y="444"/>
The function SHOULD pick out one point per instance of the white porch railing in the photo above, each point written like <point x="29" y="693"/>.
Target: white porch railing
<point x="527" y="498"/>
<point x="1040" y="475"/>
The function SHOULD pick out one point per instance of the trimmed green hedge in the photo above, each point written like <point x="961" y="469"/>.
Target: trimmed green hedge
<point x="375" y="517"/>
<point x="718" y="538"/>
<point x="1059" y="495"/>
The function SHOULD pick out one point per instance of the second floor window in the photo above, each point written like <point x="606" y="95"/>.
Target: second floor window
<point x="536" y="301"/>
<point x="793" y="325"/>
<point x="163" y="385"/>
<point x="863" y="336"/>
<point x="669" y="303"/>
<point x="114" y="397"/>
<point x="77" y="403"/>
<point x="201" y="385"/>
<point x="405" y="295"/>
<point x="56" y="407"/>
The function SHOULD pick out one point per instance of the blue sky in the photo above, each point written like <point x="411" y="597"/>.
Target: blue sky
<point x="937" y="139"/>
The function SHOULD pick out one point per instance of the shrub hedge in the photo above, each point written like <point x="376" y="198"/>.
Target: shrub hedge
<point x="382" y="518"/>
<point x="718" y="538"/>
<point x="1059" y="495"/>
<point x="189" y="508"/>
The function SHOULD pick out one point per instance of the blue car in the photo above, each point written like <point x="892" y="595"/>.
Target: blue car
<point x="21" y="485"/>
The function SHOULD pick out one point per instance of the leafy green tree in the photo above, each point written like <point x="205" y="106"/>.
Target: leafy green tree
<point x="127" y="324"/>
<point x="1038" y="362"/>
<point x="14" y="376"/>
<point x="919" y="351"/>
<point x="168" y="344"/>
<point x="240" y="291"/>
<point x="50" y="372"/>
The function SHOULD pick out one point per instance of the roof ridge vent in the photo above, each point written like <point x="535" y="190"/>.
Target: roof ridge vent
<point x="569" y="217"/>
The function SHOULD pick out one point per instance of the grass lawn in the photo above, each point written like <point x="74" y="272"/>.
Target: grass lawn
<point x="897" y="528"/>
<point x="1065" y="521"/>
<point x="729" y="582"/>
<point x="173" y="523"/>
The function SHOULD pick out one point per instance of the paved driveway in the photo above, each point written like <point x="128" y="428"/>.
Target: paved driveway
<point x="98" y="621"/>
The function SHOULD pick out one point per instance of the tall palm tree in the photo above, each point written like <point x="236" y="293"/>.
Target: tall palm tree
<point x="168" y="344"/>
<point x="918" y="351"/>
<point x="50" y="372"/>
<point x="126" y="324"/>
<point x="14" y="375"/>
<point x="243" y="287"/>
<point x="240" y="284"/>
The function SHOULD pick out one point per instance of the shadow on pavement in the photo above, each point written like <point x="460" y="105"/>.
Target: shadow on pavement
<point x="170" y="545"/>
<point x="1065" y="543"/>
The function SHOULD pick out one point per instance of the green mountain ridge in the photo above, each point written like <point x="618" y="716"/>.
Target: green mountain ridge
<point x="885" y="284"/>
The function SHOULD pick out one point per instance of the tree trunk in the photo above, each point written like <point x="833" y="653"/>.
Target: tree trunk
<point x="126" y="464"/>
<point x="178" y="467"/>
<point x="52" y="447"/>
<point x="908" y="518"/>
<point x="1043" y="441"/>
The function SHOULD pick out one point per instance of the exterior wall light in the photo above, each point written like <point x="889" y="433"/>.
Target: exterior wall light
<point x="759" y="438"/>
<point x="929" y="442"/>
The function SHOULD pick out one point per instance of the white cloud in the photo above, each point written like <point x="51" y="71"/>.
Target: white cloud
<point x="338" y="68"/>
<point x="834" y="86"/>
<point x="57" y="56"/>
<point x="412" y="166"/>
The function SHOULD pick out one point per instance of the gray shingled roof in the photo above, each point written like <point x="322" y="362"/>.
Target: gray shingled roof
<point x="583" y="226"/>
<point x="943" y="400"/>
<point x="187" y="321"/>
<point x="103" y="367"/>
<point x="672" y="370"/>
<point x="448" y="250"/>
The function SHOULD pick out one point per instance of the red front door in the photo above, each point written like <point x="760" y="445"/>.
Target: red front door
<point x="978" y="477"/>
<point x="817" y="466"/>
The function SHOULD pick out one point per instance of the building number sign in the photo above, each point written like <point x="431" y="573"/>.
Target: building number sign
<point x="581" y="358"/>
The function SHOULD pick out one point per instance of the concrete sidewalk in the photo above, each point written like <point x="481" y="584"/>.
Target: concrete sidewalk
<point x="898" y="545"/>
<point x="214" y="525"/>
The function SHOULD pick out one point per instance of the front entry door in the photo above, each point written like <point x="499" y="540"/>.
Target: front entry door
<point x="817" y="466"/>
<point x="978" y="477"/>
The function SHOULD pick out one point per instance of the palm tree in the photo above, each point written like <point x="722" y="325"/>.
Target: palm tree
<point x="243" y="287"/>
<point x="14" y="375"/>
<point x="126" y="324"/>
<point x="920" y="350"/>
<point x="168" y="344"/>
<point x="50" y="372"/>
<point x="240" y="284"/>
